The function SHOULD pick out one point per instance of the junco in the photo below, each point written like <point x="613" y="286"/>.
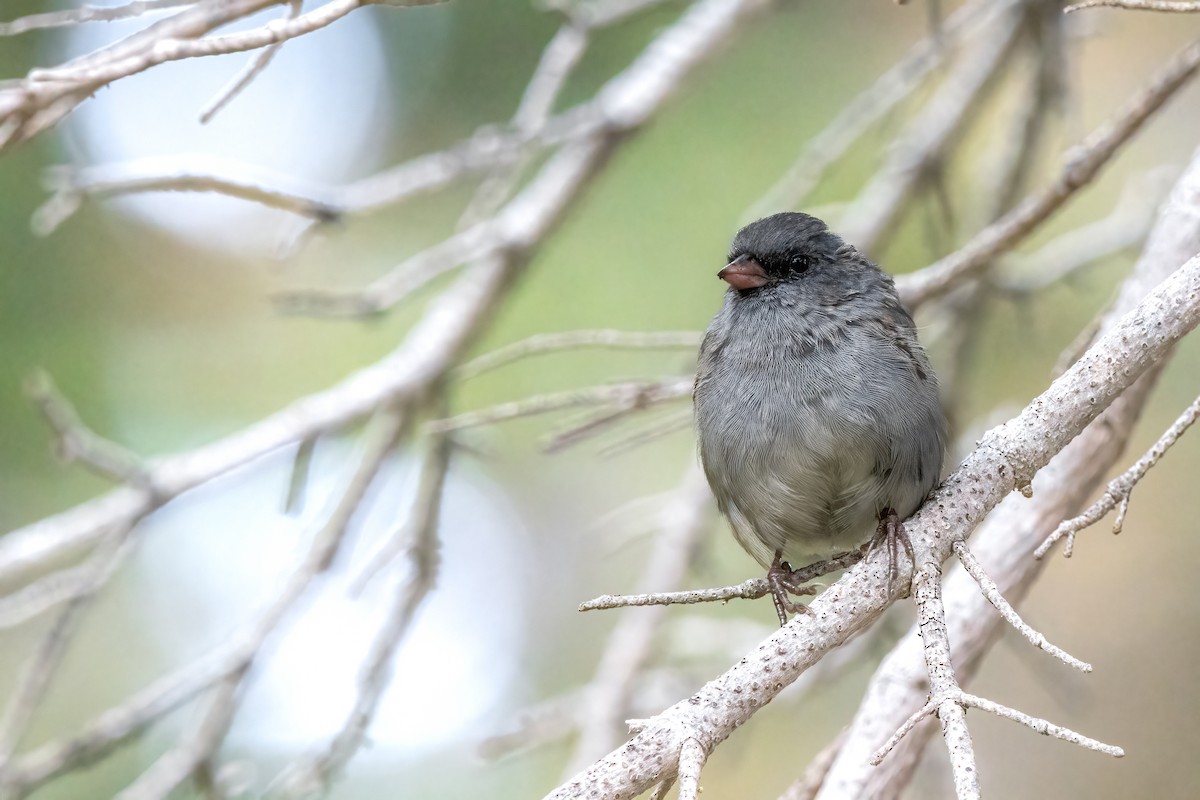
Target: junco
<point x="817" y="413"/>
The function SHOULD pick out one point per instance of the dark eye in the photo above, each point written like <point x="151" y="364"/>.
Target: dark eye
<point x="800" y="263"/>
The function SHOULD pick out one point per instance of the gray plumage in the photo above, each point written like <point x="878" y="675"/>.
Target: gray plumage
<point x="816" y="406"/>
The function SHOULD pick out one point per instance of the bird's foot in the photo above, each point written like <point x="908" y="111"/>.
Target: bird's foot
<point x="786" y="581"/>
<point x="891" y="534"/>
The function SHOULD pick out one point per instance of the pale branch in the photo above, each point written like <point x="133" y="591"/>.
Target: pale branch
<point x="252" y="70"/>
<point x="1064" y="256"/>
<point x="943" y="684"/>
<point x="627" y="396"/>
<point x="691" y="761"/>
<point x="868" y="108"/>
<point x="418" y="535"/>
<point x="1084" y="162"/>
<point x="1007" y="539"/>
<point x="402" y="281"/>
<point x="316" y="772"/>
<point x="75" y="441"/>
<point x="750" y="589"/>
<point x="28" y="107"/>
<point x="200" y="745"/>
<point x="1117" y="493"/>
<point x="992" y="592"/>
<point x="869" y="219"/>
<point x="1007" y="458"/>
<point x="682" y="524"/>
<point x="640" y="89"/>
<point x="652" y="430"/>
<point x="578" y="340"/>
<point x="187" y="759"/>
<point x="39" y="669"/>
<point x="70" y="186"/>
<point x="1137" y="5"/>
<point x="431" y="350"/>
<point x="77" y="16"/>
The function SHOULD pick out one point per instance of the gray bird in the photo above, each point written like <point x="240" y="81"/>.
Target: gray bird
<point x="817" y="413"/>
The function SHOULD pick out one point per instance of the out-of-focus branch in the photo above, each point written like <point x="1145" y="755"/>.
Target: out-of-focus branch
<point x="47" y="95"/>
<point x="1008" y="457"/>
<point x="252" y="71"/>
<point x="866" y="109"/>
<point x="625" y="397"/>
<point x="76" y="16"/>
<point x="315" y="773"/>
<point x="1083" y="164"/>
<point x="1116" y="495"/>
<point x="878" y="207"/>
<point x="578" y="340"/>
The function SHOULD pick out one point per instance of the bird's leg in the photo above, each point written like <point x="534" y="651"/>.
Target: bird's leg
<point x="781" y="579"/>
<point x="891" y="532"/>
<point x="785" y="581"/>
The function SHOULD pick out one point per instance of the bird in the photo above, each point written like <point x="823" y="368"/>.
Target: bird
<point x="818" y="416"/>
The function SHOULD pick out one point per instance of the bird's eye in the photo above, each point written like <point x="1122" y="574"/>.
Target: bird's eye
<point x="800" y="263"/>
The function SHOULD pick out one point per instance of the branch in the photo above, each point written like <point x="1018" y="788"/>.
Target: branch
<point x="1083" y="164"/>
<point x="874" y="213"/>
<point x="1008" y="538"/>
<point x="1007" y="457"/>
<point x="867" y="108"/>
<point x="1137" y="5"/>
<point x="577" y="340"/>
<point x="627" y="397"/>
<point x="316" y="772"/>
<point x="252" y="71"/>
<point x="76" y="16"/>
<point x="1116" y="495"/>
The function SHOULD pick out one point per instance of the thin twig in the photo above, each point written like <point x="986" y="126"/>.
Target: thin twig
<point x="40" y="668"/>
<point x="196" y="747"/>
<point x="316" y="772"/>
<point x="866" y="109"/>
<point x="576" y="340"/>
<point x="1083" y="164"/>
<point x="994" y="596"/>
<point x="247" y="76"/>
<point x="923" y="144"/>
<point x="628" y="396"/>
<point x="751" y="589"/>
<point x="1137" y="5"/>
<point x="1117" y="493"/>
<point x="76" y="16"/>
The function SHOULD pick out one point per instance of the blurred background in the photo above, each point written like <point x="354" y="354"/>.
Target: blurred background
<point x="153" y="314"/>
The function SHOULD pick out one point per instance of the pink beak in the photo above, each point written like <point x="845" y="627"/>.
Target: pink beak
<point x="743" y="273"/>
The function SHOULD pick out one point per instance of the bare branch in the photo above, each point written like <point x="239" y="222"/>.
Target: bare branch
<point x="866" y="109"/>
<point x="77" y="442"/>
<point x="576" y="340"/>
<point x="879" y="205"/>
<point x="1083" y="164"/>
<point x="1137" y="5"/>
<point x="751" y="589"/>
<point x="1007" y="539"/>
<point x="627" y="396"/>
<point x="1007" y="457"/>
<point x="691" y="761"/>
<point x="996" y="598"/>
<point x="252" y="71"/>
<point x="1116" y="495"/>
<point x="75" y="16"/>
